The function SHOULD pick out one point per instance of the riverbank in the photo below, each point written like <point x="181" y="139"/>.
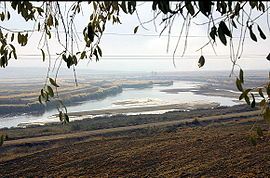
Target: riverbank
<point x="137" y="110"/>
<point x="117" y="120"/>
<point x="158" y="109"/>
<point x="22" y="98"/>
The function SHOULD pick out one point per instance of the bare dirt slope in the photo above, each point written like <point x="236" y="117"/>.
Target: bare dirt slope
<point x="219" y="150"/>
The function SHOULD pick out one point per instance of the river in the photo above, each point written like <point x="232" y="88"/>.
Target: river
<point x="128" y="98"/>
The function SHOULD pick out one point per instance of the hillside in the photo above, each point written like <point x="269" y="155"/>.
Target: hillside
<point x="219" y="147"/>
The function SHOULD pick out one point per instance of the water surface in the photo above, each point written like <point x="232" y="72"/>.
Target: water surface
<point x="128" y="98"/>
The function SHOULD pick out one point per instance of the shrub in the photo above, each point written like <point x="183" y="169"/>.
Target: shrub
<point x="75" y="127"/>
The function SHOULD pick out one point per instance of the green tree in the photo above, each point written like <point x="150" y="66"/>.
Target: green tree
<point x="223" y="18"/>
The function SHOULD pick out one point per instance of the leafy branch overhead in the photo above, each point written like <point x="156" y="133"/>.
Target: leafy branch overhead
<point x="224" y="19"/>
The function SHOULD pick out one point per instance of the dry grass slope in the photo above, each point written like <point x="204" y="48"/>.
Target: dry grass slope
<point x="215" y="150"/>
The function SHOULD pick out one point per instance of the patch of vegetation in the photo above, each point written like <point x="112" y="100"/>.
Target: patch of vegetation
<point x="75" y="127"/>
<point x="172" y="128"/>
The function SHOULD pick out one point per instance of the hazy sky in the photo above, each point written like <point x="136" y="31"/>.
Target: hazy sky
<point x="146" y="51"/>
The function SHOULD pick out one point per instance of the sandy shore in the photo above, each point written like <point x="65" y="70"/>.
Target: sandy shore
<point x="184" y="106"/>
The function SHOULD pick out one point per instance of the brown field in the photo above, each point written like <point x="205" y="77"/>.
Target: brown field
<point x="194" y="148"/>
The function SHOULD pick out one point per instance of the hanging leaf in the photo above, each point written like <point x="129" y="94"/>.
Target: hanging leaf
<point x="96" y="54"/>
<point x="38" y="26"/>
<point x="213" y="33"/>
<point x="13" y="51"/>
<point x="237" y="9"/>
<point x="8" y="15"/>
<point x="268" y="58"/>
<point x="261" y="33"/>
<point x="61" y="116"/>
<point x="90" y="32"/>
<point x="205" y="7"/>
<point x="221" y="7"/>
<point x="12" y="37"/>
<point x="234" y="24"/>
<point x="46" y="97"/>
<point x="74" y="60"/>
<point x="39" y="99"/>
<point x="268" y="90"/>
<point x="244" y="94"/>
<point x="50" y="20"/>
<point x="189" y="7"/>
<point x="123" y="6"/>
<point x="261" y="93"/>
<point x="2" y="16"/>
<point x="42" y="93"/>
<point x="253" y="4"/>
<point x="66" y="118"/>
<point x="252" y="35"/>
<point x="201" y="61"/>
<point x="261" y="7"/>
<point x="239" y="85"/>
<point x="50" y="91"/>
<point x="225" y="29"/>
<point x="221" y="36"/>
<point x="241" y="96"/>
<point x="164" y="6"/>
<point x="99" y="51"/>
<point x="132" y="6"/>
<point x="241" y="76"/>
<point x="83" y="55"/>
<point x="43" y="55"/>
<point x="253" y="101"/>
<point x="136" y="29"/>
<point x="53" y="82"/>
<point x="56" y="21"/>
<point x="14" y="54"/>
<point x="48" y="33"/>
<point x="69" y="61"/>
<point x="247" y="100"/>
<point x="1" y="140"/>
<point x="19" y="38"/>
<point x="154" y="5"/>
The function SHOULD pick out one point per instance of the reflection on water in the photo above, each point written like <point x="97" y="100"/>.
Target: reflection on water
<point x="129" y="98"/>
<point x="140" y="102"/>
